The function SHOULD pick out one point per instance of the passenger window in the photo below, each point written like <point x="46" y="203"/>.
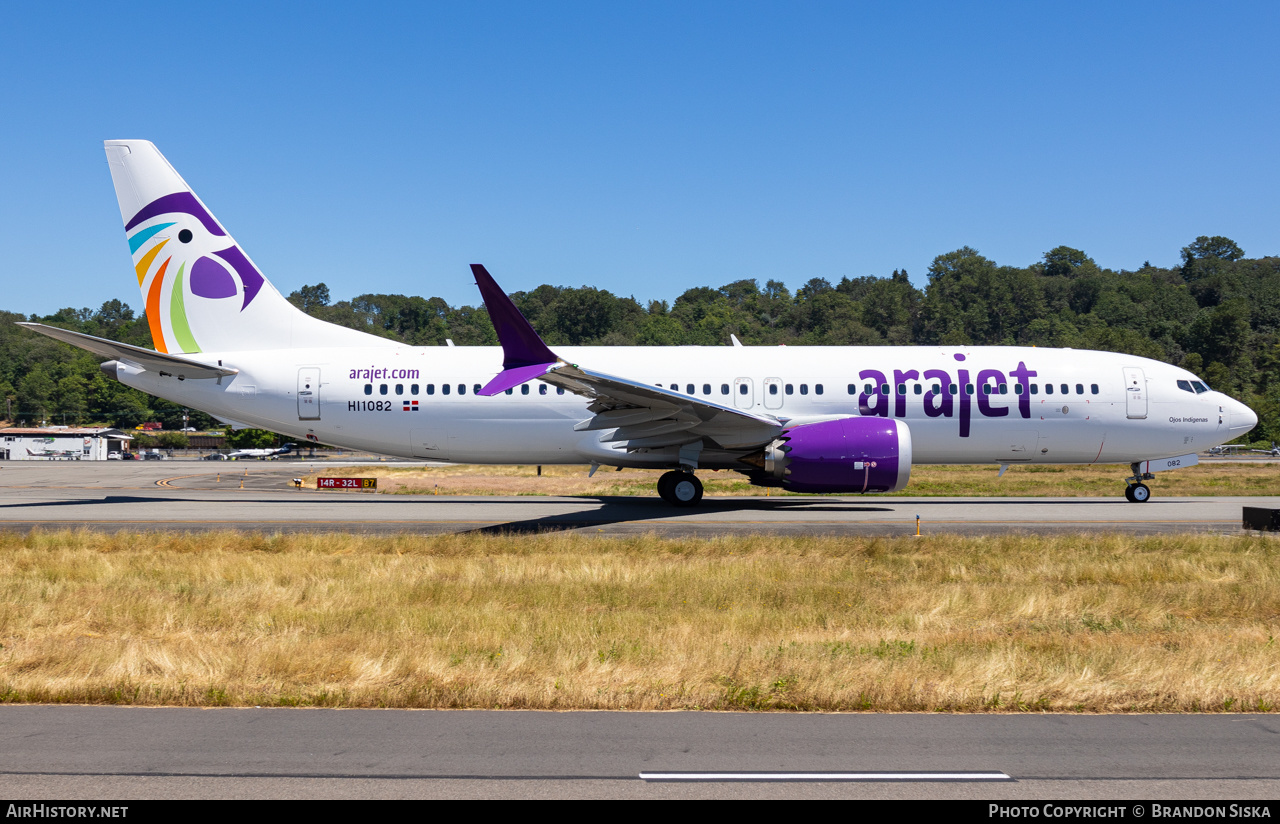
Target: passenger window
<point x="817" y="389"/>
<point x="986" y="389"/>
<point x="884" y="389"/>
<point x="399" y="388"/>
<point x="773" y="389"/>
<point x="509" y="391"/>
<point x="1079" y="388"/>
<point x="542" y="389"/>
<point x="1004" y="389"/>
<point x="1065" y="389"/>
<point x="444" y="389"/>
<point x="476" y="389"/>
<point x="968" y="389"/>
<point x="724" y="389"/>
<point x="853" y="389"/>
<point x="1017" y="389"/>
<point x="1048" y="389"/>
<point x="382" y="389"/>
<point x="524" y="389"/>
<point x="1093" y="388"/>
<point x="742" y="389"/>
<point x="688" y="390"/>
<point x="431" y="389"/>
<point x="559" y="390"/>
<point x="936" y="389"/>
<point x="462" y="389"/>
<point x="706" y="389"/>
<point x="675" y="387"/>
<point x="952" y="389"/>
<point x="790" y="390"/>
<point x="902" y="389"/>
<point x="867" y="390"/>
<point x="804" y="389"/>
<point x="368" y="388"/>
<point x="413" y="389"/>
<point x="1035" y="389"/>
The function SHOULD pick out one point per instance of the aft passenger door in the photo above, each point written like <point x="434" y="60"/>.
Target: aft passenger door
<point x="309" y="393"/>
<point x="1135" y="392"/>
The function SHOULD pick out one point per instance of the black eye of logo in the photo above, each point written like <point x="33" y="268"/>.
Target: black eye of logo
<point x="185" y="236"/>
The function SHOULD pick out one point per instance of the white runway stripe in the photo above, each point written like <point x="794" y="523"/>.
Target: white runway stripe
<point x="824" y="776"/>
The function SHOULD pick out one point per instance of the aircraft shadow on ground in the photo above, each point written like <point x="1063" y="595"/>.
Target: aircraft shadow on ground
<point x="110" y="499"/>
<point x="622" y="510"/>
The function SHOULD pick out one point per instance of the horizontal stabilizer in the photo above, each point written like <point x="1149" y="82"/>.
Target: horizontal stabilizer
<point x="134" y="355"/>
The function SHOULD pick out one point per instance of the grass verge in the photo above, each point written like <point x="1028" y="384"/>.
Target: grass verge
<point x="563" y="621"/>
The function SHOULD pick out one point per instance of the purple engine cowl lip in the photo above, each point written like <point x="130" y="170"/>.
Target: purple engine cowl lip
<point x="846" y="455"/>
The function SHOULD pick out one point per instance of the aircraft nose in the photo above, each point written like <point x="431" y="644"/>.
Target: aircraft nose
<point x="1242" y="417"/>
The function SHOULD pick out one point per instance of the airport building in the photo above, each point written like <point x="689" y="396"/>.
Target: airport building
<point x="62" y="443"/>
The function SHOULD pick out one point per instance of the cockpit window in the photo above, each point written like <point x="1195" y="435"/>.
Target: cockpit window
<point x="1199" y="387"/>
<point x="1185" y="386"/>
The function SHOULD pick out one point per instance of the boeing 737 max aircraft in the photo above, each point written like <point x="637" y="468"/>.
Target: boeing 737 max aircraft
<point x="809" y="419"/>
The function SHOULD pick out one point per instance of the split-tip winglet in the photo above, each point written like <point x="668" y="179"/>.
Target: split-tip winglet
<point x="524" y="355"/>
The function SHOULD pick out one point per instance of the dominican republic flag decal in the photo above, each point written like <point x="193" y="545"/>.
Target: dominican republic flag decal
<point x="411" y="406"/>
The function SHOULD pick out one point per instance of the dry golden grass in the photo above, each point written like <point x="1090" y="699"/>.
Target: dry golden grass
<point x="1018" y="481"/>
<point x="1071" y="623"/>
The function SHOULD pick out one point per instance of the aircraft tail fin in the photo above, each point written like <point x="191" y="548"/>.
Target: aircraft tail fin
<point x="200" y="291"/>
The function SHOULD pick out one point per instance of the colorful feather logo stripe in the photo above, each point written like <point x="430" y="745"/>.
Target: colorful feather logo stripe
<point x="153" y="304"/>
<point x="145" y="263"/>
<point x="145" y="235"/>
<point x="178" y="315"/>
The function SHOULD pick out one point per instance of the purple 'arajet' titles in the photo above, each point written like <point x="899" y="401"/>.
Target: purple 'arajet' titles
<point x="943" y="404"/>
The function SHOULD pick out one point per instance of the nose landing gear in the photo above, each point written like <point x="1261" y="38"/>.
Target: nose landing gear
<point x="1135" y="491"/>
<point x="680" y="488"/>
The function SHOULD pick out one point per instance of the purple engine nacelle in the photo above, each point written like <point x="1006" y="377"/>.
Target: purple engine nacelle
<point x="854" y="454"/>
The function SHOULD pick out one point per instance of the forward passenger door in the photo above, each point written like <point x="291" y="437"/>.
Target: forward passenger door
<point x="1135" y="392"/>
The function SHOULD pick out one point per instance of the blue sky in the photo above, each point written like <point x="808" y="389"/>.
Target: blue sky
<point x="643" y="148"/>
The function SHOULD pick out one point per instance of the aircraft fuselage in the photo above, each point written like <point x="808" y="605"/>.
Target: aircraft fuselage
<point x="962" y="404"/>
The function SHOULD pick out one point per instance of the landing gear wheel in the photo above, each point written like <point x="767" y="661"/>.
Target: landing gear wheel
<point x="1128" y="493"/>
<point x="680" y="488"/>
<point x="664" y="486"/>
<point x="687" y="490"/>
<point x="1139" y="493"/>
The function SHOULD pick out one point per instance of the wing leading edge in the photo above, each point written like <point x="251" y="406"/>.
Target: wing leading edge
<point x="632" y="414"/>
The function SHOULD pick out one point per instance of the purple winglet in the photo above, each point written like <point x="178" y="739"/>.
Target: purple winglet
<point x="525" y="356"/>
<point x="521" y="346"/>
<point x="508" y="378"/>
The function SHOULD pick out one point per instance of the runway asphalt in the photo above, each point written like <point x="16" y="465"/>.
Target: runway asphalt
<point x="201" y="496"/>
<point x="63" y="753"/>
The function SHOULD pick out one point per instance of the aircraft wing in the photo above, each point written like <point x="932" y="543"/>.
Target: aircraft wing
<point x="636" y="415"/>
<point x="133" y="355"/>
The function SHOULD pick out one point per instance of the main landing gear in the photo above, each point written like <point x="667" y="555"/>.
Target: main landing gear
<point x="680" y="488"/>
<point x="1135" y="491"/>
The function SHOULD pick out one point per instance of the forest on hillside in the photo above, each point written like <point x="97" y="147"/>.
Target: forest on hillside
<point x="1217" y="315"/>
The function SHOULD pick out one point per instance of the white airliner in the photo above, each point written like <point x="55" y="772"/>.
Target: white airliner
<point x="808" y="419"/>
<point x="261" y="454"/>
